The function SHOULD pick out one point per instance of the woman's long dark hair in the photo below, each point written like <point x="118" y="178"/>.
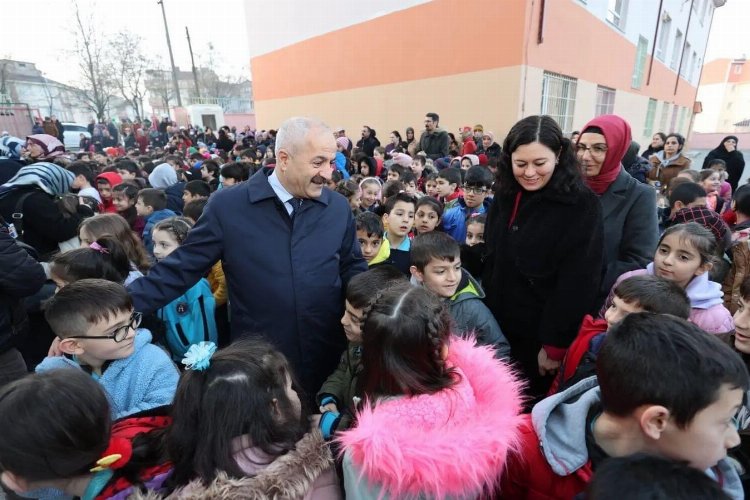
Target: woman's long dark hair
<point x="404" y="332"/>
<point x="543" y="129"/>
<point x="235" y="396"/>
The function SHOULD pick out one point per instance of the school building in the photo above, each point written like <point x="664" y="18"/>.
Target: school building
<point x="387" y="63"/>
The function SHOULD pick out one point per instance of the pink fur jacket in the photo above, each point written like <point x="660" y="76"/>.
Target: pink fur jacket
<point x="444" y="445"/>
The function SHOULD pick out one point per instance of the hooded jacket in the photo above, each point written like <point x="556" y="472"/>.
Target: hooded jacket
<point x="114" y="179"/>
<point x="305" y="473"/>
<point x="473" y="318"/>
<point x="707" y="306"/>
<point x="142" y="381"/>
<point x="552" y="461"/>
<point x="444" y="445"/>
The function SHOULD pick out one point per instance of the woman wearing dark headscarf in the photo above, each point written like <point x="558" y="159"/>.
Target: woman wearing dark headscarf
<point x="33" y="192"/>
<point x="728" y="152"/>
<point x="628" y="207"/>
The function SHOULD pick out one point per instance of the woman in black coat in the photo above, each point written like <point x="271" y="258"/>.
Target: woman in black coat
<point x="544" y="248"/>
<point x="728" y="152"/>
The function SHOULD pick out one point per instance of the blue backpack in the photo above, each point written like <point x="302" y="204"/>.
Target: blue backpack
<point x="189" y="319"/>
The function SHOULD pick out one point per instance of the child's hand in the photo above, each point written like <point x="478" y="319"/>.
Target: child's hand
<point x="54" y="348"/>
<point x="329" y="407"/>
<point x="547" y="366"/>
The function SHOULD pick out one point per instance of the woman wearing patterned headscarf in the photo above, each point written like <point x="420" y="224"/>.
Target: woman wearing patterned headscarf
<point x="43" y="147"/>
<point x="33" y="192"/>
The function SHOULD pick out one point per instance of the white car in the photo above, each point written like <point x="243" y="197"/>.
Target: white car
<point x="72" y="135"/>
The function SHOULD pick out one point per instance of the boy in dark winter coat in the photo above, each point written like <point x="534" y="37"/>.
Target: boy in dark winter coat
<point x="436" y="264"/>
<point x="663" y="387"/>
<point x="337" y="397"/>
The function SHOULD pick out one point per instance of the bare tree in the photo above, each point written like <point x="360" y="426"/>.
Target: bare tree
<point x="222" y="87"/>
<point x="127" y="68"/>
<point x="95" y="87"/>
<point x="159" y="84"/>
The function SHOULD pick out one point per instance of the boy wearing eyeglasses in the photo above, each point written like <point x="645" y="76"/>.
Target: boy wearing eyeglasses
<point x="476" y="189"/>
<point x="99" y="334"/>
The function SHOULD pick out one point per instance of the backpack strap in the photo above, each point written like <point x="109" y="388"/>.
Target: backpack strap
<point x="18" y="209"/>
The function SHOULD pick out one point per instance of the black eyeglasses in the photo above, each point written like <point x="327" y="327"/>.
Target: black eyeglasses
<point x="120" y="333"/>
<point x="474" y="190"/>
<point x="597" y="150"/>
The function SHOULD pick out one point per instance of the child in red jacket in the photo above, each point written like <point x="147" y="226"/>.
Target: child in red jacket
<point x="635" y="294"/>
<point x="665" y="388"/>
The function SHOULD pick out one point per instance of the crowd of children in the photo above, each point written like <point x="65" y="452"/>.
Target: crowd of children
<point x="427" y="400"/>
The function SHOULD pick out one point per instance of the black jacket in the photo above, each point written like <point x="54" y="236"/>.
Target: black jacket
<point x="20" y="276"/>
<point x="368" y="145"/>
<point x="542" y="273"/>
<point x="435" y="144"/>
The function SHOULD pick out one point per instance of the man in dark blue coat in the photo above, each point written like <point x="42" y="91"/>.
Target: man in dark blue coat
<point x="288" y="247"/>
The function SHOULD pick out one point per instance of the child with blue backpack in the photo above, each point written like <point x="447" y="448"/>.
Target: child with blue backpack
<point x="189" y="319"/>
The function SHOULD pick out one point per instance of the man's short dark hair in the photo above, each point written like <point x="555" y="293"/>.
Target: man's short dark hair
<point x="452" y="175"/>
<point x="399" y="197"/>
<point x="742" y="200"/>
<point x="82" y="168"/>
<point x="407" y="177"/>
<point x="370" y="224"/>
<point x="645" y="476"/>
<point x="687" y="193"/>
<point x="128" y="165"/>
<point x="654" y="294"/>
<point x="154" y="198"/>
<point x="198" y="188"/>
<point x="478" y="176"/>
<point x="212" y="167"/>
<point x="433" y="245"/>
<point x="194" y="209"/>
<point x="399" y="169"/>
<point x="174" y="159"/>
<point x="232" y="171"/>
<point x="364" y="286"/>
<point x="77" y="306"/>
<point x="717" y="161"/>
<point x="657" y="359"/>
<point x="433" y="116"/>
<point x="196" y="156"/>
<point x="420" y="159"/>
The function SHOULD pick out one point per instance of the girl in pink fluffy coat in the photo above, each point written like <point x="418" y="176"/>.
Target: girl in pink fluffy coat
<point x="440" y="413"/>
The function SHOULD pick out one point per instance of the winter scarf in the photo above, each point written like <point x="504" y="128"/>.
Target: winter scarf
<point x="51" y="147"/>
<point x="163" y="176"/>
<point x="50" y="178"/>
<point x="616" y="131"/>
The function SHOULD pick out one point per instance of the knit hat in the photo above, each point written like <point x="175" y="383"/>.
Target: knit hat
<point x="401" y="159"/>
<point x="474" y="159"/>
<point x="478" y="128"/>
<point x="343" y="142"/>
<point x="708" y="219"/>
<point x="162" y="176"/>
<point x="483" y="160"/>
<point x="10" y="147"/>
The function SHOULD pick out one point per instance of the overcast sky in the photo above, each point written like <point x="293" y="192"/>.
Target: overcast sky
<point x="39" y="31"/>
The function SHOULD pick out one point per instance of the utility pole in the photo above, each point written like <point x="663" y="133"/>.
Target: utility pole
<point x="192" y="61"/>
<point x="171" y="57"/>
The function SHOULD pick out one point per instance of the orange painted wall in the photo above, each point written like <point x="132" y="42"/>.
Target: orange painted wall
<point x="577" y="44"/>
<point x="715" y="71"/>
<point x="439" y="38"/>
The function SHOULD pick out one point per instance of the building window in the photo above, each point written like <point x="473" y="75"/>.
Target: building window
<point x="704" y="9"/>
<point x="737" y="69"/>
<point x="664" y="29"/>
<point x="616" y="11"/>
<point x="673" y="121"/>
<point x="663" y="118"/>
<point x="685" y="64"/>
<point x="648" y="127"/>
<point x="681" y="122"/>
<point x="676" y="50"/>
<point x="640" y="63"/>
<point x="693" y="66"/>
<point x="559" y="99"/>
<point x="729" y="105"/>
<point x="605" y="101"/>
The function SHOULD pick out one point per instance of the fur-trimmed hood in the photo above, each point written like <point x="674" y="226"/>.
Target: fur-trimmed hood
<point x="453" y="443"/>
<point x="305" y="472"/>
